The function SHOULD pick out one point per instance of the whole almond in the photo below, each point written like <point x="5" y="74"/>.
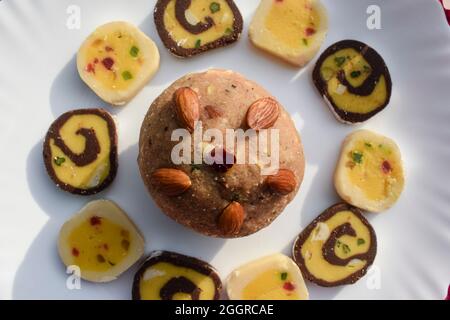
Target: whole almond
<point x="263" y="113"/>
<point x="231" y="219"/>
<point x="187" y="107"/>
<point x="171" y="182"/>
<point x="283" y="182"/>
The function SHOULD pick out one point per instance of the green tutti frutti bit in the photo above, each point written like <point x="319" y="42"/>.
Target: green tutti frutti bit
<point x="59" y="160"/>
<point x="345" y="248"/>
<point x="368" y="145"/>
<point x="283" y="276"/>
<point x="339" y="61"/>
<point x="361" y="241"/>
<point x="126" y="75"/>
<point x="198" y="43"/>
<point x="357" y="157"/>
<point x="134" y="51"/>
<point x="228" y="31"/>
<point x="214" y="7"/>
<point x="355" y="74"/>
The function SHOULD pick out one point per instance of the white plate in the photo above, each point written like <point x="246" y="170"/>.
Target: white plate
<point x="39" y="81"/>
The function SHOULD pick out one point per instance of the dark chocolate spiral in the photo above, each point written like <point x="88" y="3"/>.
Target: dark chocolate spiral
<point x="329" y="245"/>
<point x="90" y="153"/>
<point x="180" y="13"/>
<point x="179" y="285"/>
<point x="332" y="241"/>
<point x="181" y="6"/>
<point x="378" y="69"/>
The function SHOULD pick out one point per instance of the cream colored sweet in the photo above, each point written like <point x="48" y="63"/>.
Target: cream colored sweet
<point x="369" y="173"/>
<point x="275" y="277"/>
<point x="292" y="30"/>
<point x="116" y="61"/>
<point x="101" y="240"/>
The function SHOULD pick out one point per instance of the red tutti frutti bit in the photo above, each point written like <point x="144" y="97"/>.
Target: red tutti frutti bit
<point x="108" y="63"/>
<point x="386" y="167"/>
<point x="90" y="68"/>
<point x="95" y="61"/>
<point x="448" y="294"/>
<point x="224" y="161"/>
<point x="75" y="252"/>
<point x="310" y="31"/>
<point x="289" y="286"/>
<point x="108" y="49"/>
<point x="105" y="246"/>
<point x="95" y="221"/>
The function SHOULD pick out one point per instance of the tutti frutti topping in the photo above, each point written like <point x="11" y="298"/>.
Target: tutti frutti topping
<point x="101" y="241"/>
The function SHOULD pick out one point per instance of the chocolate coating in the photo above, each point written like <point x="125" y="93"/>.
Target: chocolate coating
<point x="328" y="247"/>
<point x="178" y="284"/>
<point x="89" y="154"/>
<point x="379" y="68"/>
<point x="180" y="7"/>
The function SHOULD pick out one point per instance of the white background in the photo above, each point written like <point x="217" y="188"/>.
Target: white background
<point x="39" y="81"/>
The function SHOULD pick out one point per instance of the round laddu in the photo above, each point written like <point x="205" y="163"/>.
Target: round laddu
<point x="224" y="98"/>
